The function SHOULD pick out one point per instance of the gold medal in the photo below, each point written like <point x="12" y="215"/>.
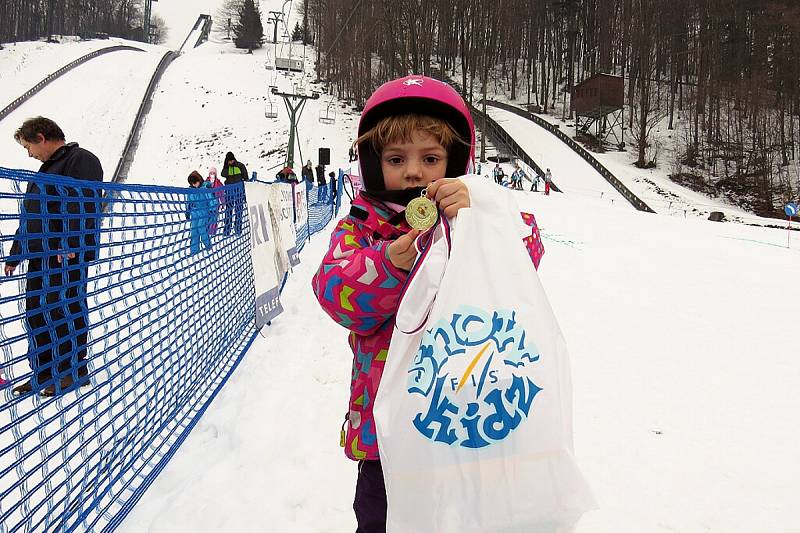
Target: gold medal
<point x="421" y="213"/>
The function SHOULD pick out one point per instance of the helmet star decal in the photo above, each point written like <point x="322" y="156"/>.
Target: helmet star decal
<point x="413" y="81"/>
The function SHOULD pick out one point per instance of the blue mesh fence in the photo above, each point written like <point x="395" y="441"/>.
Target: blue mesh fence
<point x="127" y="311"/>
<point x="320" y="208"/>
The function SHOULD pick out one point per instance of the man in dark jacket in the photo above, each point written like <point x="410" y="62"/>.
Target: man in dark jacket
<point x="320" y="169"/>
<point x="322" y="186"/>
<point x="234" y="172"/>
<point x="58" y="249"/>
<point x="308" y="172"/>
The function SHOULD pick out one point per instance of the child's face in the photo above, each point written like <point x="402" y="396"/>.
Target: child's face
<point x="413" y="164"/>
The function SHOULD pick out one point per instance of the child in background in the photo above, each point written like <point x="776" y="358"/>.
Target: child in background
<point x="213" y="182"/>
<point x="415" y="133"/>
<point x="200" y="209"/>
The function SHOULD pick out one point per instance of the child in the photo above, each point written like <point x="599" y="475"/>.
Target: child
<point x="415" y="132"/>
<point x="498" y="174"/>
<point x="213" y="182"/>
<point x="200" y="210"/>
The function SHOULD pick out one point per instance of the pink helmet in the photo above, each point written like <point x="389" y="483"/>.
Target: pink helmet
<point x="425" y="96"/>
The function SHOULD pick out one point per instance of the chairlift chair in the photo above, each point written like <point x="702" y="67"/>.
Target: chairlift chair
<point x="270" y="109"/>
<point x="327" y="115"/>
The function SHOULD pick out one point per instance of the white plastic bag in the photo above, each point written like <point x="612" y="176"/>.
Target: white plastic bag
<point x="474" y="409"/>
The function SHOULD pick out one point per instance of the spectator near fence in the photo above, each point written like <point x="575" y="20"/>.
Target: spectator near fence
<point x="333" y="185"/>
<point x="234" y="172"/>
<point x="322" y="185"/>
<point x="201" y="211"/>
<point x="213" y="182"/>
<point x="307" y="172"/>
<point x="58" y="235"/>
<point x="286" y="175"/>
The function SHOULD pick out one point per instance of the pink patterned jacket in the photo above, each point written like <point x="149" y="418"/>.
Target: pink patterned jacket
<point x="360" y="288"/>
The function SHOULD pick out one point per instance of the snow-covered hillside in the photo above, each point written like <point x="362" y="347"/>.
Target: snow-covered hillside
<point x="680" y="329"/>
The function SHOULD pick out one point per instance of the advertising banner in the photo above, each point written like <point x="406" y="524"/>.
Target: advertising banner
<point x="262" y="253"/>
<point x="282" y="210"/>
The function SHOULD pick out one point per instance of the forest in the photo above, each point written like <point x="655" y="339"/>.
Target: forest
<point x="25" y="20"/>
<point x="723" y="74"/>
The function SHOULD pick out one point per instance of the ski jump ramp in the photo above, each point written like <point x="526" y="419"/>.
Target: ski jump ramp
<point x="573" y="174"/>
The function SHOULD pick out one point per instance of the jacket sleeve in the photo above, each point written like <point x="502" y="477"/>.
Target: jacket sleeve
<point x="357" y="284"/>
<point x="245" y="175"/>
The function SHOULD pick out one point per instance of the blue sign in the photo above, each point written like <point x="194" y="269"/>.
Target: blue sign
<point x="790" y="209"/>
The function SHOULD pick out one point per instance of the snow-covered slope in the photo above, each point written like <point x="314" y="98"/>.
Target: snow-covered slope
<point x="680" y="333"/>
<point x="24" y="64"/>
<point x="571" y="173"/>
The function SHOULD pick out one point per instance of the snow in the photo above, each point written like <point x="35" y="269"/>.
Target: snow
<point x="24" y="64"/>
<point x="113" y="83"/>
<point x="680" y="329"/>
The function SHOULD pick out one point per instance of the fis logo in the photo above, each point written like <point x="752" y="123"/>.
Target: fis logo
<point x="472" y="371"/>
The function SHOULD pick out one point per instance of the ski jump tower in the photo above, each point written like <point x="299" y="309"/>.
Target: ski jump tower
<point x="598" y="101"/>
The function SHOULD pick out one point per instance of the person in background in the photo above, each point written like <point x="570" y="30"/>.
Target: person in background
<point x="320" y="170"/>
<point x="200" y="210"/>
<point x="286" y="175"/>
<point x="498" y="174"/>
<point x="535" y="182"/>
<point x="234" y="172"/>
<point x="333" y="184"/>
<point x="213" y="182"/>
<point x="322" y="186"/>
<point x="548" y="179"/>
<point x="307" y="172"/>
<point x="56" y="309"/>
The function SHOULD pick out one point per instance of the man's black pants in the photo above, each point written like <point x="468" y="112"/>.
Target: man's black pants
<point x="56" y="315"/>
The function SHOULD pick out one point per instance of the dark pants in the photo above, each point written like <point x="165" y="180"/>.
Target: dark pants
<point x="56" y="315"/>
<point x="234" y="203"/>
<point x="370" y="500"/>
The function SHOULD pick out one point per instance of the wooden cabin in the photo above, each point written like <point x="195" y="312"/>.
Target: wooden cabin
<point x="597" y="96"/>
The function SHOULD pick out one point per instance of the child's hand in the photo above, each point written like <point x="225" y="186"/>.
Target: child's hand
<point x="402" y="253"/>
<point x="450" y="195"/>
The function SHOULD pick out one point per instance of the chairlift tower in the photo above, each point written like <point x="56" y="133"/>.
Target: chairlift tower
<point x="294" y="105"/>
<point x="148" y="8"/>
<point x="274" y="18"/>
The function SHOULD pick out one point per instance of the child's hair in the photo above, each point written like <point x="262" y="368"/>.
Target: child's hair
<point x="195" y="177"/>
<point x="398" y="128"/>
